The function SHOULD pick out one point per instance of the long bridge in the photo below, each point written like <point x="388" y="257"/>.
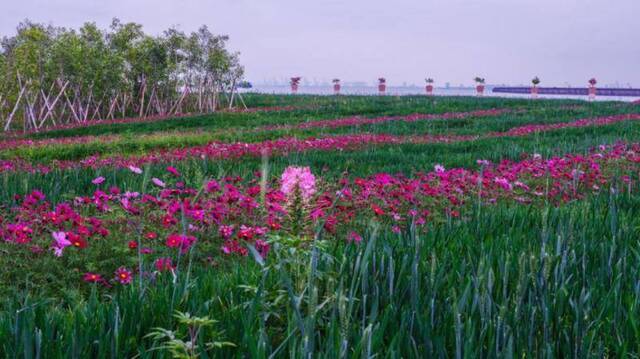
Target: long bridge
<point x="578" y="91"/>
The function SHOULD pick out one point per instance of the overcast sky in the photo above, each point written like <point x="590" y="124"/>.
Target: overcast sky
<point x="505" y="41"/>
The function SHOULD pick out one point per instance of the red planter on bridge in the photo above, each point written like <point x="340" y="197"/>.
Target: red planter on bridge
<point x="429" y="89"/>
<point x="295" y="81"/>
<point x="336" y="86"/>
<point x="534" y="92"/>
<point x="382" y="85"/>
<point x="592" y="88"/>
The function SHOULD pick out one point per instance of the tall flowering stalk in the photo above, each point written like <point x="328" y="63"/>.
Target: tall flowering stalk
<point x="298" y="185"/>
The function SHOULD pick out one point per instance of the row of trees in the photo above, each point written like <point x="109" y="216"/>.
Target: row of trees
<point x="52" y="75"/>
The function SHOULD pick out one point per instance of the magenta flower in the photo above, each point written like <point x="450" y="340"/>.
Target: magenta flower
<point x="213" y="186"/>
<point x="98" y="180"/>
<point x="163" y="264"/>
<point x="225" y="231"/>
<point x="354" y="237"/>
<point x="123" y="275"/>
<point x="504" y="183"/>
<point x="173" y="171"/>
<point x="299" y="178"/>
<point x="92" y="277"/>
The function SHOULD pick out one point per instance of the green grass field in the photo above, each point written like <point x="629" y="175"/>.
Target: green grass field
<point x="540" y="260"/>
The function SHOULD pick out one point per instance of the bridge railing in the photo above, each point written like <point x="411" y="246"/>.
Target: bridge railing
<point x="618" y="92"/>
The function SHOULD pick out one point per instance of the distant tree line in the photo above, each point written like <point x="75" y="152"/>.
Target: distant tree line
<point x="53" y="75"/>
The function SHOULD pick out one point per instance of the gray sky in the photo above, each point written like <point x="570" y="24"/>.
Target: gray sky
<point x="505" y="41"/>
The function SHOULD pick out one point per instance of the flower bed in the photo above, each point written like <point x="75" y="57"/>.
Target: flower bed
<point x="111" y="235"/>
<point x="217" y="150"/>
<point x="341" y="122"/>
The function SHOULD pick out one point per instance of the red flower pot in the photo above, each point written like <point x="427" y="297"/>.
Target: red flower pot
<point x="336" y="88"/>
<point x="480" y="90"/>
<point x="429" y="89"/>
<point x="382" y="88"/>
<point x="294" y="88"/>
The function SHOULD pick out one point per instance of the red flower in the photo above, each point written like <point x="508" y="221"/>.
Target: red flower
<point x="92" y="277"/>
<point x="173" y="240"/>
<point x="377" y="210"/>
<point x="273" y="223"/>
<point x="133" y="244"/>
<point x="177" y="240"/>
<point x="246" y="233"/>
<point x="123" y="275"/>
<point x="77" y="241"/>
<point x="151" y="235"/>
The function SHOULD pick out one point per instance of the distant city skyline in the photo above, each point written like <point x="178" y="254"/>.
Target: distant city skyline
<point x="506" y="41"/>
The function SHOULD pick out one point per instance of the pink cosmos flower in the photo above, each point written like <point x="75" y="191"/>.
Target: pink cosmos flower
<point x="123" y="275"/>
<point x="299" y="178"/>
<point x="61" y="242"/>
<point x="158" y="182"/>
<point x="438" y="168"/>
<point x="131" y="195"/>
<point x="136" y="170"/>
<point x="98" y="180"/>
<point x="504" y="183"/>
